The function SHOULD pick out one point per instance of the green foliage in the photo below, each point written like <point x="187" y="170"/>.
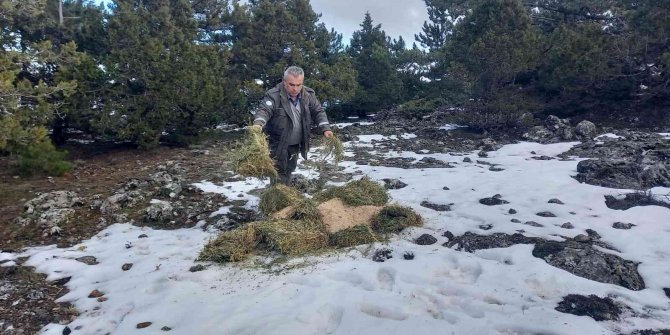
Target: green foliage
<point x="416" y="109"/>
<point x="42" y="157"/>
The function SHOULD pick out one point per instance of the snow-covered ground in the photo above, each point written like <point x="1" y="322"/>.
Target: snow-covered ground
<point x="441" y="291"/>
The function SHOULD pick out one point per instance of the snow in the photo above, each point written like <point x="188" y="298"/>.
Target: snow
<point x="608" y="135"/>
<point x="665" y="135"/>
<point x="450" y="126"/>
<point x="441" y="291"/>
<point x="347" y="124"/>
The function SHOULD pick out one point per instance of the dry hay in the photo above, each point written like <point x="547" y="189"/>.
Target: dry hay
<point x="277" y="197"/>
<point x="304" y="210"/>
<point x="357" y="193"/>
<point x="338" y="216"/>
<point x="356" y="235"/>
<point x="292" y="237"/>
<point x="252" y="157"/>
<point x="395" y="218"/>
<point x="231" y="246"/>
<point x="332" y="148"/>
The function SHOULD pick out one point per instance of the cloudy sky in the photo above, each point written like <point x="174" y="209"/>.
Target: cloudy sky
<point x="397" y="17"/>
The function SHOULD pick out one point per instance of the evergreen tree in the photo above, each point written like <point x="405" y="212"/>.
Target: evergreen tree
<point x="379" y="84"/>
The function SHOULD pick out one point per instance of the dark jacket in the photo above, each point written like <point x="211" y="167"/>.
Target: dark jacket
<point x="274" y="114"/>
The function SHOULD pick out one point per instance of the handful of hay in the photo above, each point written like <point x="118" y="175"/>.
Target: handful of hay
<point x="252" y="158"/>
<point x="395" y="218"/>
<point x="332" y="148"/>
<point x="293" y="237"/>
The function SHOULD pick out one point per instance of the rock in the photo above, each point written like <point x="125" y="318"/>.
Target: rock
<point x="593" y="234"/>
<point x="239" y="215"/>
<point x="445" y="188"/>
<point x="546" y="214"/>
<point x="142" y="325"/>
<point x="533" y="224"/>
<point x="496" y="169"/>
<point x="543" y="158"/>
<point x="600" y="309"/>
<point x="95" y="294"/>
<point x="102" y="299"/>
<point x="582" y="238"/>
<point x="142" y="236"/>
<point x="486" y="227"/>
<point x="538" y="134"/>
<point x="586" y="129"/>
<point x="555" y="201"/>
<point x="382" y="254"/>
<point x="52" y="200"/>
<point x="159" y="211"/>
<point x="667" y="292"/>
<point x="49" y="211"/>
<point x="121" y="200"/>
<point x="483" y="154"/>
<point x="197" y="268"/>
<point x="88" y="260"/>
<point x="515" y="220"/>
<point x="408" y="255"/>
<point x="449" y="235"/>
<point x="467" y="160"/>
<point x="393" y="184"/>
<point x="436" y="207"/>
<point x="582" y="259"/>
<point x="67" y="330"/>
<point x="631" y="200"/>
<point x="425" y="239"/>
<point x="512" y="211"/>
<point x="166" y="329"/>
<point x="62" y="281"/>
<point x="127" y="266"/>
<point x="493" y="201"/>
<point x="471" y="242"/>
<point x="567" y="225"/>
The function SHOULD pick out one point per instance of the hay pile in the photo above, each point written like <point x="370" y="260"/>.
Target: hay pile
<point x="252" y="158"/>
<point x="357" y="193"/>
<point x="278" y="196"/>
<point x="298" y="226"/>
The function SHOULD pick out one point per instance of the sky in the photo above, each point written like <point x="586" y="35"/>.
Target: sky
<point x="397" y="17"/>
<point x="440" y="291"/>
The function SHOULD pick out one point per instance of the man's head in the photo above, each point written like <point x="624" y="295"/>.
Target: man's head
<point x="293" y="79"/>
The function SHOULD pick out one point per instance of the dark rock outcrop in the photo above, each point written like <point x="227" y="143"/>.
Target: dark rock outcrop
<point x="600" y="309"/>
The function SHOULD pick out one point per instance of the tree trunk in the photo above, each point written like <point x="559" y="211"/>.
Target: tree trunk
<point x="60" y="13"/>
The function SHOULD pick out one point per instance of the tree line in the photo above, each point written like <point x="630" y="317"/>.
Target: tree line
<point x="152" y="71"/>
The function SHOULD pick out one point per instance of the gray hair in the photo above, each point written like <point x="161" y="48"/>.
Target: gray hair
<point x="294" y="71"/>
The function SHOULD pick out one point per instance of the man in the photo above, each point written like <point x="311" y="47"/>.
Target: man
<point x="286" y="113"/>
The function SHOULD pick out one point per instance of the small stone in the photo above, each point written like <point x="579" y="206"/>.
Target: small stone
<point x="197" y="268"/>
<point x="95" y="294"/>
<point x="62" y="281"/>
<point x="555" y="201"/>
<point x="393" y="184"/>
<point x="512" y="211"/>
<point x="445" y="188"/>
<point x="533" y="224"/>
<point x="593" y="234"/>
<point x="493" y="201"/>
<point x="622" y="225"/>
<point x="102" y="299"/>
<point x="425" y="239"/>
<point x="448" y="234"/>
<point x="67" y="330"/>
<point x="516" y="220"/>
<point x="546" y="214"/>
<point x="496" y="169"/>
<point x="143" y="236"/>
<point x="408" y="255"/>
<point x="127" y="266"/>
<point x="166" y="329"/>
<point x="88" y="260"/>
<point x="486" y="227"/>
<point x="667" y="292"/>
<point x="143" y="325"/>
<point x="467" y="160"/>
<point x="567" y="225"/>
<point x="483" y="154"/>
<point x="436" y="207"/>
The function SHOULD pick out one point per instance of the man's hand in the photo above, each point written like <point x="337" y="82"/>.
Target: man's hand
<point x="327" y="133"/>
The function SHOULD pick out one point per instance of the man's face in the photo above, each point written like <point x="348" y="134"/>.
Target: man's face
<point x="293" y="85"/>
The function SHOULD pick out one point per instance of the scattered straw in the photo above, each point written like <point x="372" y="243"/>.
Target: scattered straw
<point x="278" y="196"/>
<point x="252" y="157"/>
<point x="357" y="193"/>
<point x="332" y="148"/>
<point x="305" y="210"/>
<point x="349" y="237"/>
<point x="395" y="218"/>
<point x="231" y="246"/>
<point x="292" y="237"/>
